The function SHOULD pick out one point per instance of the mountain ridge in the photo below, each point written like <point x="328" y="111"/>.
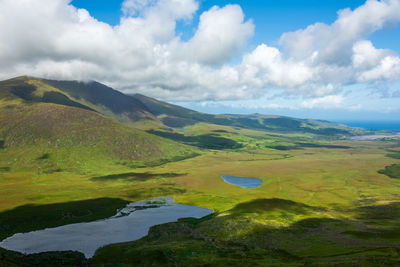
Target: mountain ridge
<point x="136" y="108"/>
<point x="176" y="116"/>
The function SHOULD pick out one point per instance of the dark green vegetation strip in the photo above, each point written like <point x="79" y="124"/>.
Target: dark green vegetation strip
<point x="44" y="156"/>
<point x="283" y="147"/>
<point x="26" y="92"/>
<point x="155" y="163"/>
<point x="208" y="141"/>
<point x="394" y="155"/>
<point x="135" y="176"/>
<point x="99" y="94"/>
<point x="389" y="211"/>
<point x="322" y="145"/>
<point x="304" y="145"/>
<point x="35" y="217"/>
<point x="63" y="258"/>
<point x="61" y="99"/>
<point x="177" y="122"/>
<point x="393" y="171"/>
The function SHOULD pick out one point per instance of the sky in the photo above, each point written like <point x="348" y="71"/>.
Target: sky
<point x="332" y="59"/>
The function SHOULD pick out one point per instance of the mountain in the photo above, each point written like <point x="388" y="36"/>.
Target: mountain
<point x="44" y="127"/>
<point x="55" y="124"/>
<point x="173" y="115"/>
<point x="104" y="99"/>
<point x="139" y="109"/>
<point x="176" y="116"/>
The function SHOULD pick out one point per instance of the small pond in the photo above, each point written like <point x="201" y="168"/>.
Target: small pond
<point x="182" y="129"/>
<point x="242" y="181"/>
<point x="130" y="223"/>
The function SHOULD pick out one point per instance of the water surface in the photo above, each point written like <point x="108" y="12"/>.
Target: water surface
<point x="182" y="129"/>
<point x="374" y="125"/>
<point x="242" y="181"/>
<point x="130" y="223"/>
<point x="374" y="137"/>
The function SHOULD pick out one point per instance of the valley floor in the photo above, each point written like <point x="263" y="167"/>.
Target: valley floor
<point x="322" y="202"/>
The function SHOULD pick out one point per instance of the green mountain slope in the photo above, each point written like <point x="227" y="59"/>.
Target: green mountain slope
<point x="104" y="99"/>
<point x="173" y="115"/>
<point x="43" y="128"/>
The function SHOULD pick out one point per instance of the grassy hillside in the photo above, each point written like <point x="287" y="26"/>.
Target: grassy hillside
<point x="319" y="205"/>
<point x="175" y="116"/>
<point x="325" y="200"/>
<point x="43" y="129"/>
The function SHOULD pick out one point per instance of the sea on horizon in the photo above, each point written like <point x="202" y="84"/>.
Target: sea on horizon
<point x="374" y="125"/>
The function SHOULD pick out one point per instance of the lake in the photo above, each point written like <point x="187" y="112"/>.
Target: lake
<point x="130" y="223"/>
<point x="242" y="181"/>
<point x="182" y="129"/>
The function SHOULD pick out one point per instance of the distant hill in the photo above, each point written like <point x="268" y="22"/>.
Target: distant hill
<point x="43" y="126"/>
<point x="173" y="115"/>
<point x="176" y="116"/>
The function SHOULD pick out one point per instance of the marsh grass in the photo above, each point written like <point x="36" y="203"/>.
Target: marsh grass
<point x="322" y="204"/>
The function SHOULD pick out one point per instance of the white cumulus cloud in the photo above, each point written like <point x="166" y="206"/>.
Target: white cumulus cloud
<point x="222" y="32"/>
<point x="145" y="53"/>
<point x="333" y="43"/>
<point x="324" y="102"/>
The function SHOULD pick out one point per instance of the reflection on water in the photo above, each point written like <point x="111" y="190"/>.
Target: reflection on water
<point x="242" y="181"/>
<point x="130" y="223"/>
<point x="182" y="129"/>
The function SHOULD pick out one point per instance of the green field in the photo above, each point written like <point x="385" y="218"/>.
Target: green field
<point x="325" y="200"/>
<point x="319" y="204"/>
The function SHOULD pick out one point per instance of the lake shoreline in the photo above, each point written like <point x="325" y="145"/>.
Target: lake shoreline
<point x="242" y="181"/>
<point x="128" y="224"/>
